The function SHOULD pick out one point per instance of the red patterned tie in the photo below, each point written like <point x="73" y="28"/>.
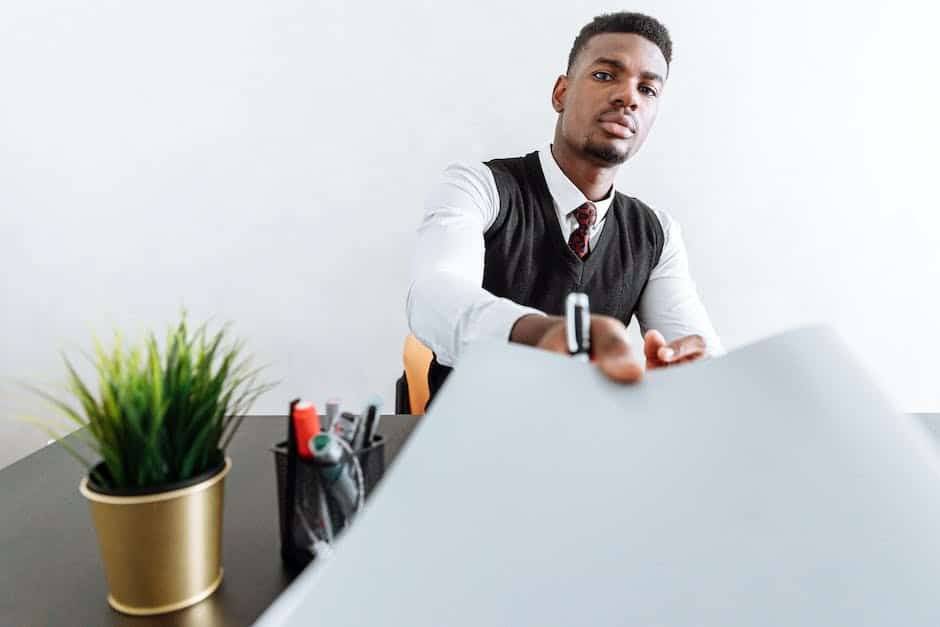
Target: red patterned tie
<point x="586" y="216"/>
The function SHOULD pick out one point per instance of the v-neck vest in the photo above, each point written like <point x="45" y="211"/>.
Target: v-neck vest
<point x="528" y="261"/>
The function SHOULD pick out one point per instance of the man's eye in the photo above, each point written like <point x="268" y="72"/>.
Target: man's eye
<point x="649" y="91"/>
<point x="603" y="76"/>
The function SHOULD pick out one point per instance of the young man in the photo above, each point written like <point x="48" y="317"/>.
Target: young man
<point x="504" y="242"/>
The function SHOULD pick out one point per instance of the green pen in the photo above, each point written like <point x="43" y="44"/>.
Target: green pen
<point x="336" y="475"/>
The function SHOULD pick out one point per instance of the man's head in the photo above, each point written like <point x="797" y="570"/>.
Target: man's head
<point x="608" y="99"/>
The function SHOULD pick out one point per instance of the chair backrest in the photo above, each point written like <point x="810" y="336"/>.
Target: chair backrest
<point x="417" y="358"/>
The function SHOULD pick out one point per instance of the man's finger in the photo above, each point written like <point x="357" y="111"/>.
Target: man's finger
<point x="623" y="368"/>
<point x="653" y="344"/>
<point x="683" y="350"/>
<point x="679" y="351"/>
<point x="689" y="352"/>
<point x="611" y="350"/>
<point x="691" y="346"/>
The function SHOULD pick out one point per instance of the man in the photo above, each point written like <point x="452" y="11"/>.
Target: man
<point x="504" y="242"/>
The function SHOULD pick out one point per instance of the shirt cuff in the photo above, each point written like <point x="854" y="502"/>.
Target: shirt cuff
<point x="493" y="322"/>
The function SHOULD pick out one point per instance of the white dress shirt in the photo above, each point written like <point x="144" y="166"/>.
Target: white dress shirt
<point x="447" y="307"/>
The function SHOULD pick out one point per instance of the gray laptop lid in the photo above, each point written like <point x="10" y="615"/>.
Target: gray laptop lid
<point x="773" y="486"/>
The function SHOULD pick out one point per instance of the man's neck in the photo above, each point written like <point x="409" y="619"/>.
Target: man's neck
<point x="593" y="181"/>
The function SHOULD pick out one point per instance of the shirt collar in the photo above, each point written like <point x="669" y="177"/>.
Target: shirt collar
<point x="566" y="195"/>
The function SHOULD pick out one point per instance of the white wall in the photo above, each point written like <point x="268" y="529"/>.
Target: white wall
<point x="266" y="162"/>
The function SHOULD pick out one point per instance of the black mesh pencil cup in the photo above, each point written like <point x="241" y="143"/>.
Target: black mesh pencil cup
<point x="303" y="495"/>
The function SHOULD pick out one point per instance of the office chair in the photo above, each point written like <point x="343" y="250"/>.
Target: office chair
<point x="411" y="389"/>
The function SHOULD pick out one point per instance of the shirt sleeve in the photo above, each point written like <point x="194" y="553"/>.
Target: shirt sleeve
<point x="447" y="307"/>
<point x="670" y="301"/>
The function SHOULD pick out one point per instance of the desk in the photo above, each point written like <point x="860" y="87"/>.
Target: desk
<point x="50" y="569"/>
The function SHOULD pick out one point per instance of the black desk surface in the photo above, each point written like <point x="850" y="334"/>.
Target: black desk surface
<point x="50" y="570"/>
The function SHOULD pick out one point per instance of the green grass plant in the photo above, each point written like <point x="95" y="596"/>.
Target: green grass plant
<point x="160" y="416"/>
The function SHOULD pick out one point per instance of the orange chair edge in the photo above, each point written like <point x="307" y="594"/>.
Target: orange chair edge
<point x="417" y="360"/>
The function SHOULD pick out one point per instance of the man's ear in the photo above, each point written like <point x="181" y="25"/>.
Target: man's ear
<point x="559" y="91"/>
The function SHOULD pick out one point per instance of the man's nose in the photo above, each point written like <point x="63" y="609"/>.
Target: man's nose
<point x="626" y="98"/>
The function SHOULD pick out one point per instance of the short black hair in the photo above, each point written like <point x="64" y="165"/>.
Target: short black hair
<point x="643" y="25"/>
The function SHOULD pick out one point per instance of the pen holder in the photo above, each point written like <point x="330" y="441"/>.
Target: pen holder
<point x="299" y="490"/>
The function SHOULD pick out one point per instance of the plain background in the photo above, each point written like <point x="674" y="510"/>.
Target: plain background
<point x="266" y="163"/>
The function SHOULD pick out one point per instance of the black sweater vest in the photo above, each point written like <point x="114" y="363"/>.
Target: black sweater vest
<point x="528" y="261"/>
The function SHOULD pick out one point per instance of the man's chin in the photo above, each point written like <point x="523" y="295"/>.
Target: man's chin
<point x="606" y="153"/>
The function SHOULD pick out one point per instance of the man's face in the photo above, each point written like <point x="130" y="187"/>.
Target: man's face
<point x="609" y="99"/>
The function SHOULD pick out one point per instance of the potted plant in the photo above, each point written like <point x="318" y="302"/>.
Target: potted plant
<point x="160" y="422"/>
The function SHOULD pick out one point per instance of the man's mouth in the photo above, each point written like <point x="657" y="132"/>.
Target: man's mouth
<point x="619" y="125"/>
<point x="619" y="130"/>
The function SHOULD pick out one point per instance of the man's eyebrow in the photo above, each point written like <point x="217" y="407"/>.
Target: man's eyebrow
<point x="605" y="61"/>
<point x="646" y="74"/>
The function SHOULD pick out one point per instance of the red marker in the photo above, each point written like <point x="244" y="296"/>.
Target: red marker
<point x="306" y="426"/>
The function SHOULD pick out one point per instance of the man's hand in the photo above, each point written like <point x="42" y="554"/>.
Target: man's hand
<point x="659" y="354"/>
<point x="610" y="347"/>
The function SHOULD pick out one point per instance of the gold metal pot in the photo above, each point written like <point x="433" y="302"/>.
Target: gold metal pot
<point x="161" y="552"/>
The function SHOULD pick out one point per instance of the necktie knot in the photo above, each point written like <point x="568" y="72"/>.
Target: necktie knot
<point x="585" y="216"/>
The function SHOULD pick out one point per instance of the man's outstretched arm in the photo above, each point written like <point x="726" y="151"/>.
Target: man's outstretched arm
<point x="447" y="307"/>
<point x="676" y="328"/>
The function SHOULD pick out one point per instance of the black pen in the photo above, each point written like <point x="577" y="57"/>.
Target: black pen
<point x="371" y="421"/>
<point x="578" y="325"/>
